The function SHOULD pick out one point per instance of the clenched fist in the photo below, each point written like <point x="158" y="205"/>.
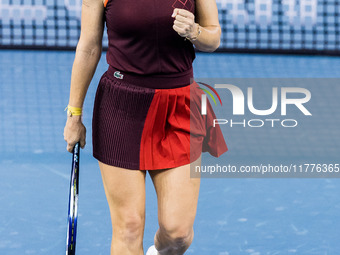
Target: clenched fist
<point x="184" y="23"/>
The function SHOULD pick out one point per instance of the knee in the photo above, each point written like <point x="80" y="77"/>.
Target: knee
<point x="180" y="236"/>
<point x="129" y="229"/>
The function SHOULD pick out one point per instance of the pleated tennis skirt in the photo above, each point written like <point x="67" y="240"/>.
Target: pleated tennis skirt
<point x="150" y="128"/>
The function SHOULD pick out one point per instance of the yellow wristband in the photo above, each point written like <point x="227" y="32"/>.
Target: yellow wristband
<point x="73" y="111"/>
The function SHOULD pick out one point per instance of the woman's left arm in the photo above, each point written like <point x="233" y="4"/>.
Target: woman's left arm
<point x="206" y="21"/>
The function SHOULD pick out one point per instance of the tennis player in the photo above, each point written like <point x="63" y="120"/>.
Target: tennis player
<point x="141" y="115"/>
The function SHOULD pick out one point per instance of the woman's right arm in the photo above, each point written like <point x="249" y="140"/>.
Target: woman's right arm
<point x="88" y="53"/>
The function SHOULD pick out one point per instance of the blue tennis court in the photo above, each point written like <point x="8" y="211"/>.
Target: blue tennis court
<point x="250" y="216"/>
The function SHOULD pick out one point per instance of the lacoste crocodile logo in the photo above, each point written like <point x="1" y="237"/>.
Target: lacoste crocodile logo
<point x="118" y="75"/>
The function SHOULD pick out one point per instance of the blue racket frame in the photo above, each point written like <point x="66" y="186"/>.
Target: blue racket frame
<point x="73" y="203"/>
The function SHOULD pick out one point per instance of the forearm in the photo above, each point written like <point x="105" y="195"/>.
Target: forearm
<point x="84" y="67"/>
<point x="209" y="39"/>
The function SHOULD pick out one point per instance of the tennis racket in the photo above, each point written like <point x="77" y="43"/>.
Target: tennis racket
<point x="73" y="203"/>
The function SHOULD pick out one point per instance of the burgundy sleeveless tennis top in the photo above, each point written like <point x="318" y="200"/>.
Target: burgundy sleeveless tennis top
<point x="143" y="42"/>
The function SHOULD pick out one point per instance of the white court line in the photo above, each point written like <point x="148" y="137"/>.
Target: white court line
<point x="65" y="176"/>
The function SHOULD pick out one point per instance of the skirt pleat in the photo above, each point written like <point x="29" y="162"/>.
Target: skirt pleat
<point x="143" y="128"/>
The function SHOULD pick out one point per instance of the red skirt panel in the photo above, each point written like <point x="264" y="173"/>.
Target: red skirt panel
<point x="145" y="128"/>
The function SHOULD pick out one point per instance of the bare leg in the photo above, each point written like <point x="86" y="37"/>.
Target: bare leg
<point x="177" y="196"/>
<point x="125" y="193"/>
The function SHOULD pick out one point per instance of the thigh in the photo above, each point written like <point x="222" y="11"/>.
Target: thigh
<point x="177" y="195"/>
<point x="125" y="193"/>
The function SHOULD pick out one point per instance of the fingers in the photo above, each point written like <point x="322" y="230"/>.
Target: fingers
<point x="70" y="147"/>
<point x="74" y="135"/>
<point x="179" y="30"/>
<point x="183" y="29"/>
<point x="83" y="139"/>
<point x="184" y="22"/>
<point x="175" y="12"/>
<point x="82" y="143"/>
<point x="182" y="13"/>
